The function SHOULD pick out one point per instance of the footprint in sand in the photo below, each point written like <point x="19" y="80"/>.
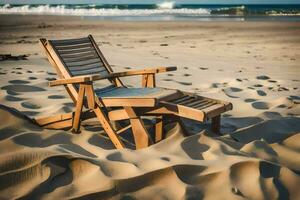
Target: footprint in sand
<point x="261" y="105"/>
<point x="170" y="74"/>
<point x="165" y="158"/>
<point x="203" y="68"/>
<point x="29" y="71"/>
<point x="51" y="73"/>
<point x="184" y="83"/>
<point x="257" y="85"/>
<point x="216" y="85"/>
<point x="56" y="97"/>
<point x="22" y="88"/>
<point x="187" y="74"/>
<point x="50" y="79"/>
<point x="30" y="113"/>
<point x="164" y="45"/>
<point x="2" y="73"/>
<point x="30" y="105"/>
<point x="230" y="90"/>
<point x="143" y="41"/>
<point x="262" y="77"/>
<point x="272" y="81"/>
<point x="234" y="89"/>
<point x="13" y="98"/>
<point x="283" y="89"/>
<point x="261" y="93"/>
<point x="32" y="78"/>
<point x="167" y="79"/>
<point x="250" y="100"/>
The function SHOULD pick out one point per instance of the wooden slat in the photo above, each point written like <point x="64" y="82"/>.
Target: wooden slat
<point x="117" y="102"/>
<point x="180" y="99"/>
<point x="200" y="104"/>
<point x="72" y="56"/>
<point x="70" y="41"/>
<point x="80" y="58"/>
<point x="83" y="62"/>
<point x="82" y="69"/>
<point x="68" y="47"/>
<point x="77" y="51"/>
<point x="186" y="102"/>
<point x="212" y="109"/>
<point x="60" y="124"/>
<point x="87" y="71"/>
<point x="123" y="129"/>
<point x="47" y="120"/>
<point x="207" y="105"/>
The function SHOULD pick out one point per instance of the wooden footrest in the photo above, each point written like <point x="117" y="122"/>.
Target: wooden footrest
<point x="196" y="107"/>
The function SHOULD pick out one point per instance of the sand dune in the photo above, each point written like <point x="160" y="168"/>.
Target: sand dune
<point x="38" y="163"/>
<point x="258" y="156"/>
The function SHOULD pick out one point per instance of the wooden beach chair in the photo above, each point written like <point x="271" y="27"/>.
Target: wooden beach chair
<point x="79" y="63"/>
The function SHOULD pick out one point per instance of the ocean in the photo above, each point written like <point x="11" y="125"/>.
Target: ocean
<point x="161" y="12"/>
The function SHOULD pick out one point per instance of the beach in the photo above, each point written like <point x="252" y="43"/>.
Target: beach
<point x="255" y="65"/>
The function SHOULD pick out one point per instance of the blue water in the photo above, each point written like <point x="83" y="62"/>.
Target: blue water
<point x="163" y="11"/>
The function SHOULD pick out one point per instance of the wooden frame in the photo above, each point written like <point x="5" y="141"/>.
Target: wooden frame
<point x="89" y="105"/>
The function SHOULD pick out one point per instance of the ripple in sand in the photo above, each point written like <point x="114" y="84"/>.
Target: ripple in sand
<point x="22" y="88"/>
<point x="30" y="105"/>
<point x="18" y="82"/>
<point x="56" y="97"/>
<point x="260" y="105"/>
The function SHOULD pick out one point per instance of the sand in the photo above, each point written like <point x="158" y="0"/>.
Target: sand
<point x="254" y="65"/>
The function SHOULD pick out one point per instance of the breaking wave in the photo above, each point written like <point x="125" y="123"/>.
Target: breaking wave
<point x="164" y="8"/>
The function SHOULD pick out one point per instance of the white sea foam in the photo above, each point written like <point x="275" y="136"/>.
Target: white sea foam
<point x="62" y="10"/>
<point x="166" y="5"/>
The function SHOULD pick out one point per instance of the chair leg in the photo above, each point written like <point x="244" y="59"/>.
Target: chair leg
<point x="159" y="128"/>
<point x="216" y="124"/>
<point x="79" y="105"/>
<point x="108" y="128"/>
<point x="140" y="133"/>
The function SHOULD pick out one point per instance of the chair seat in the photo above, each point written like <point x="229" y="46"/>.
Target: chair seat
<point x="112" y="92"/>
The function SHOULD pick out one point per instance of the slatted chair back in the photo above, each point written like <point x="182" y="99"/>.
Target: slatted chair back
<point x="77" y="57"/>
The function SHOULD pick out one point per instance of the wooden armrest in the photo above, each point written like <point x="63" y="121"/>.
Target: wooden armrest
<point x="77" y="79"/>
<point x="142" y="72"/>
<point x="85" y="79"/>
